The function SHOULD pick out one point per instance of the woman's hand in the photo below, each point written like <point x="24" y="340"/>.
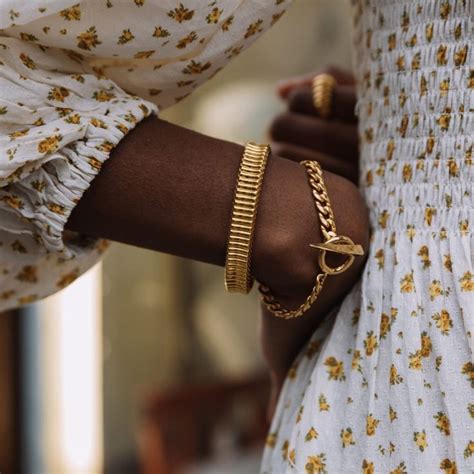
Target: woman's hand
<point x="288" y="265"/>
<point x="300" y="134"/>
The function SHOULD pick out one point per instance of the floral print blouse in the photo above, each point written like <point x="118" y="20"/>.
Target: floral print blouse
<point x="75" y="78"/>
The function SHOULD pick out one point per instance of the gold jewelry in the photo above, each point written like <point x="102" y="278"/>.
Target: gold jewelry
<point x="244" y="213"/>
<point x="323" y="91"/>
<point x="340" y="244"/>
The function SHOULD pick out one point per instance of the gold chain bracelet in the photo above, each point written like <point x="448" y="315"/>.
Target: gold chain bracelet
<point x="333" y="243"/>
<point x="244" y="214"/>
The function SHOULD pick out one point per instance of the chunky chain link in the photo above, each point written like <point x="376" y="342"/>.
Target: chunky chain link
<point x="328" y="229"/>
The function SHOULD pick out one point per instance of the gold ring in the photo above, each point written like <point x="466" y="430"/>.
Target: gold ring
<point x="323" y="91"/>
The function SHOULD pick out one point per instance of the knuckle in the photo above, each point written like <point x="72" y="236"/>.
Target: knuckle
<point x="297" y="99"/>
<point x="278" y="126"/>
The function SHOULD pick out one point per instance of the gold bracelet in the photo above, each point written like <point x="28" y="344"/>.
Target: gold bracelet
<point x="238" y="278"/>
<point x="332" y="243"/>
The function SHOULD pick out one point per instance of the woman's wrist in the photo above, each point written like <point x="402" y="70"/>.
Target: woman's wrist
<point x="286" y="224"/>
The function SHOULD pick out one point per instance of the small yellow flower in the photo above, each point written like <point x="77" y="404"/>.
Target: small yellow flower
<point x="392" y="414"/>
<point x="395" y="378"/>
<point x="271" y="440"/>
<point x="384" y="325"/>
<point x="407" y="284"/>
<point x="49" y="144"/>
<point x="420" y="440"/>
<point x="144" y="54"/>
<point x="464" y="227"/>
<point x="214" y="16"/>
<point x="370" y="343"/>
<point x="460" y="56"/>
<point x="425" y="256"/>
<point x="195" y="67"/>
<point x="347" y="437"/>
<point x="368" y="467"/>
<point x="426" y="345"/>
<point x="19" y="134"/>
<point x="125" y="37"/>
<point x="71" y="13"/>
<point x="188" y="39"/>
<point x="467" y="282"/>
<point x="430" y="212"/>
<point x="311" y="434"/>
<point x="335" y="369"/>
<point x="443" y="321"/>
<point x="28" y="274"/>
<point x="448" y="466"/>
<point x="400" y="469"/>
<point x="316" y="464"/>
<point x="228" y="23"/>
<point x="56" y="208"/>
<point x="468" y="369"/>
<point x="447" y="262"/>
<point x="356" y="358"/>
<point x="253" y="29"/>
<point x="469" y="451"/>
<point x="383" y="219"/>
<point x="58" y="94"/>
<point x="284" y="449"/>
<point x="442" y="423"/>
<point x="161" y="32"/>
<point x="435" y="289"/>
<point x="181" y="13"/>
<point x="74" y="119"/>
<point x="371" y="425"/>
<point x="67" y="278"/>
<point x="323" y="403"/>
<point x="27" y="61"/>
<point x="415" y="361"/>
<point x="379" y="256"/>
<point x="13" y="201"/>
<point x="88" y="39"/>
<point x="103" y="96"/>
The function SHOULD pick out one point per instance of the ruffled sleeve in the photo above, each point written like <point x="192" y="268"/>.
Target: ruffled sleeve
<point x="59" y="122"/>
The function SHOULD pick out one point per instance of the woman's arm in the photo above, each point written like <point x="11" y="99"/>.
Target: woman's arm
<point x="170" y="189"/>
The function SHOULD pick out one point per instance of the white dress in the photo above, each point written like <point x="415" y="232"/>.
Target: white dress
<point x="386" y="385"/>
<point x="75" y="78"/>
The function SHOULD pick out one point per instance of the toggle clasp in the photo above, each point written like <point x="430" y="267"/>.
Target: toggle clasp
<point x="340" y="244"/>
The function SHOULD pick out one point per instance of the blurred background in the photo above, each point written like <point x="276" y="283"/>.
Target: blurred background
<point x="145" y="364"/>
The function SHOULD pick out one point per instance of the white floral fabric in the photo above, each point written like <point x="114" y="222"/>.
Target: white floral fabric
<point x="75" y="77"/>
<point x="386" y="383"/>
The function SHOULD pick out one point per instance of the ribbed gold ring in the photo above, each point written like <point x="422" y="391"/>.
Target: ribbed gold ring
<point x="323" y="91"/>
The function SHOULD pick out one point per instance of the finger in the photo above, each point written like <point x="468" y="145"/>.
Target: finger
<point x="300" y="100"/>
<point x="343" y="77"/>
<point x="332" y="138"/>
<point x="292" y="152"/>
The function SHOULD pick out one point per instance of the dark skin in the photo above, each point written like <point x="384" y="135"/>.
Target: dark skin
<point x="170" y="189"/>
<point x="300" y="134"/>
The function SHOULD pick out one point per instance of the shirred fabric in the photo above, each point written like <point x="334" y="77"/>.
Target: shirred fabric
<point x="75" y="77"/>
<point x="385" y="385"/>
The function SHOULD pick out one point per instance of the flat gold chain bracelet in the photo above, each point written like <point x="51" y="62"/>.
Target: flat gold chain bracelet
<point x="244" y="214"/>
<point x="333" y="243"/>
